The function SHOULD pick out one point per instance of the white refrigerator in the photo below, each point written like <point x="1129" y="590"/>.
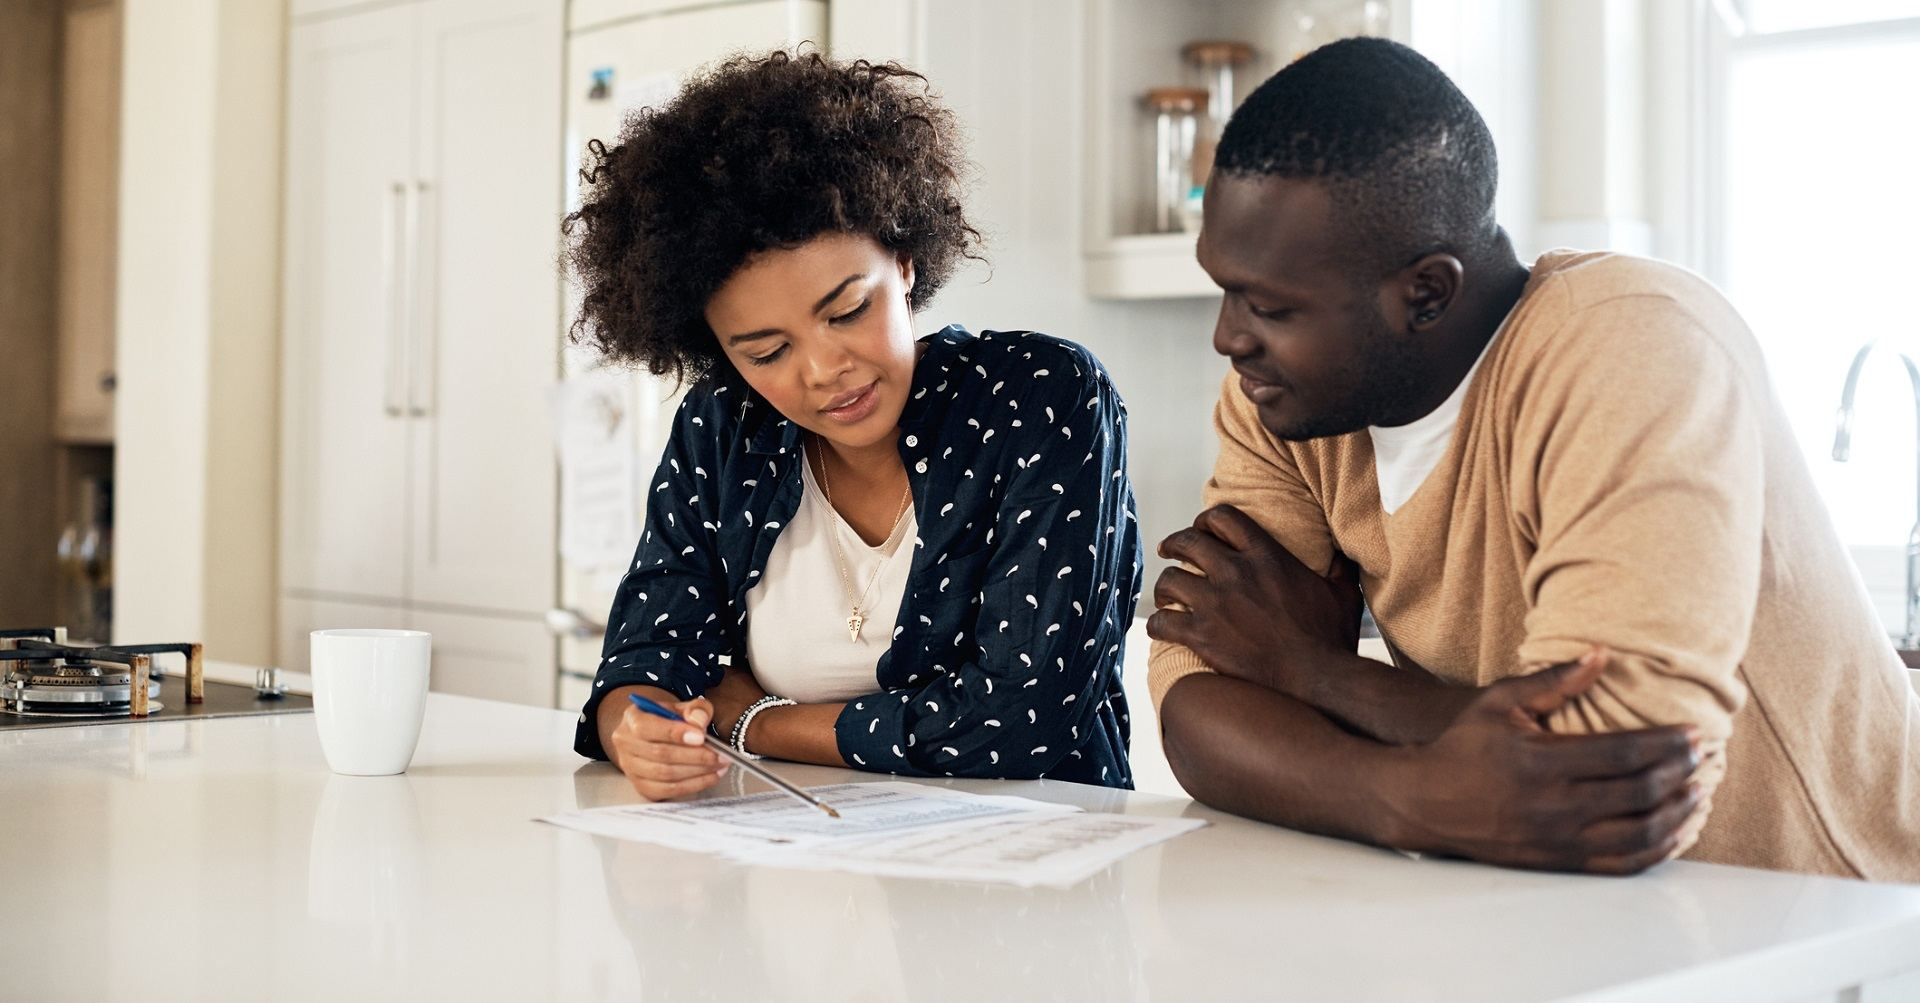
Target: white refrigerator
<point x="611" y="423"/>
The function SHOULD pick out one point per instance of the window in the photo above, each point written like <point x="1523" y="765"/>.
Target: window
<point x="1811" y="232"/>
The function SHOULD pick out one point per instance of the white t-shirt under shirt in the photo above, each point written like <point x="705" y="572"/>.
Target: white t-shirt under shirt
<point x="1403" y="456"/>
<point x="797" y="639"/>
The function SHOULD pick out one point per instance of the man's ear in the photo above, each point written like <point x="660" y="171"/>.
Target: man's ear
<point x="1429" y="288"/>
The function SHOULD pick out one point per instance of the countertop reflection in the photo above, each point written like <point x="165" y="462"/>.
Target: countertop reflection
<point x="219" y="859"/>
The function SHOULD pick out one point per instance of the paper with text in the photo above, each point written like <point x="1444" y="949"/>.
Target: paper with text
<point x="893" y="828"/>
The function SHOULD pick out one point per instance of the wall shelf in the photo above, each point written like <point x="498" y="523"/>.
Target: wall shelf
<point x="1146" y="266"/>
<point x="1133" y="45"/>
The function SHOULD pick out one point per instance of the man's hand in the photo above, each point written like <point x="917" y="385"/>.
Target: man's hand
<point x="1496" y="786"/>
<point x="1251" y="601"/>
<point x="736" y="691"/>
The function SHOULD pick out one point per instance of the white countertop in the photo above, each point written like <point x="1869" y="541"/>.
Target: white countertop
<point x="219" y="859"/>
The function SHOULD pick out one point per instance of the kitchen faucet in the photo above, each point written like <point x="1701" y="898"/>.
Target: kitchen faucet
<point x="1842" y="447"/>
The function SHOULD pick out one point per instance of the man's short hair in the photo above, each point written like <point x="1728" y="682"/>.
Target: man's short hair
<point x="1407" y="158"/>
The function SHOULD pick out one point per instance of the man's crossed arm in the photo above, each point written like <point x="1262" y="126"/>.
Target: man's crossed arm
<point x="1294" y="727"/>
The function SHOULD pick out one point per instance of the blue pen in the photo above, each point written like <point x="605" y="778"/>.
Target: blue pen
<point x="728" y="751"/>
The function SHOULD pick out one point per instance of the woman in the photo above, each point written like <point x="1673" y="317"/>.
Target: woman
<point x="861" y="549"/>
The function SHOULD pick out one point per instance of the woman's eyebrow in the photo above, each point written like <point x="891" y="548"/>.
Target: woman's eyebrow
<point x="768" y="332"/>
<point x="837" y="290"/>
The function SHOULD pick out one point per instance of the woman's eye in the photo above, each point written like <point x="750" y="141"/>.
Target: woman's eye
<point x="761" y="360"/>
<point x="851" y="315"/>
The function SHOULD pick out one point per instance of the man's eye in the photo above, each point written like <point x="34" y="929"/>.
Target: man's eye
<point x="761" y="360"/>
<point x="1281" y="313"/>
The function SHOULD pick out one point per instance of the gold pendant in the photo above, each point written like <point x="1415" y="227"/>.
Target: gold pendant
<point x="854" y="623"/>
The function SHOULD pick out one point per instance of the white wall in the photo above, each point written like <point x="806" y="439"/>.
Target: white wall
<point x="1593" y="126"/>
<point x="1489" y="48"/>
<point x="198" y="307"/>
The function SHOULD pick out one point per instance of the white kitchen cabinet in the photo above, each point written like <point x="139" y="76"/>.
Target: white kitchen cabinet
<point x="421" y="309"/>
<point x="490" y="657"/>
<point x="497" y="658"/>
<point x="487" y="161"/>
<point x="574" y="689"/>
<point x="301" y="617"/>
<point x="344" y="444"/>
<point x="309" y="8"/>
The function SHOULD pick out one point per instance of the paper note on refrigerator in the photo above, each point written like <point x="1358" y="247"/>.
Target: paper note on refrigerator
<point x="599" y="509"/>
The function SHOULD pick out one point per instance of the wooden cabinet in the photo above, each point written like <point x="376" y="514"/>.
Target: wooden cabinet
<point x="89" y="189"/>
<point x="421" y="310"/>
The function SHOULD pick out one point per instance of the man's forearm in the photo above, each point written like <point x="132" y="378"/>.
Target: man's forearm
<point x="1396" y="706"/>
<point x="1255" y="752"/>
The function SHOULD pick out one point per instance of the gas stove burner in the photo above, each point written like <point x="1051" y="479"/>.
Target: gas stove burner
<point x="73" y="689"/>
<point x="41" y="675"/>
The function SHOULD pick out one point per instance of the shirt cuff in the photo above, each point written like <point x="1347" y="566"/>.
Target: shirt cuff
<point x="1168" y="663"/>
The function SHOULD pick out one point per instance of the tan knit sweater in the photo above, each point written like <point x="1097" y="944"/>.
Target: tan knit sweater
<point x="1621" y="473"/>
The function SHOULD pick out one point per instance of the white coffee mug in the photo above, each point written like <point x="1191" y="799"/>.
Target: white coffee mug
<point x="369" y="696"/>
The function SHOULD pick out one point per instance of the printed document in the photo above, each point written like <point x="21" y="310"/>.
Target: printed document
<point x="893" y="828"/>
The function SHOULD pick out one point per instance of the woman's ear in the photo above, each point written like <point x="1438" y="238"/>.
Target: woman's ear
<point x="906" y="274"/>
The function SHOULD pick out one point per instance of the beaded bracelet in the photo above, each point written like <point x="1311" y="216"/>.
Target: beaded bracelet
<point x="739" y="739"/>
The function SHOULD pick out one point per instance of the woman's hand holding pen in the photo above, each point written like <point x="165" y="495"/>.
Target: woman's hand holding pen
<point x="663" y="759"/>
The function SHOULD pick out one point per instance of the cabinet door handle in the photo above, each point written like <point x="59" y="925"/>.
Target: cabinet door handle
<point x="390" y="258"/>
<point x="424" y="352"/>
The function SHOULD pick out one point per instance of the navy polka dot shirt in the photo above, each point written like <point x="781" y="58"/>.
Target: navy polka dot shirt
<point x="1005" y="660"/>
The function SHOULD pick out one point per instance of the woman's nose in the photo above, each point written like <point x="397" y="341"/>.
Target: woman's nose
<point x="825" y="363"/>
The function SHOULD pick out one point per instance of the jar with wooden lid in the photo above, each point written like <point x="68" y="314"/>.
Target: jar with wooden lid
<point x="1215" y="61"/>
<point x="1176" y="115"/>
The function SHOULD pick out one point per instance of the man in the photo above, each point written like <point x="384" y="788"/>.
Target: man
<point x="1624" y="628"/>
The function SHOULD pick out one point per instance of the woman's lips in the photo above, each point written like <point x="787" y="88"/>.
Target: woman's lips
<point x="855" y="406"/>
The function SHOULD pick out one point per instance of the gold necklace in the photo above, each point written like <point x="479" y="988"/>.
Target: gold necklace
<point x="858" y="618"/>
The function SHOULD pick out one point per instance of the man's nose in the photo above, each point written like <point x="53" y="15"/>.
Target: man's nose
<point x="1230" y="339"/>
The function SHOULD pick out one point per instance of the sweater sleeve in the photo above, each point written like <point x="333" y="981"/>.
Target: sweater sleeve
<point x="1637" y="472"/>
<point x="1057" y="594"/>
<point x="668" y="627"/>
<point x="1257" y="475"/>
